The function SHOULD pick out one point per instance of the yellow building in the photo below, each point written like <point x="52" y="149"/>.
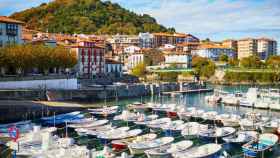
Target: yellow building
<point x="247" y="47"/>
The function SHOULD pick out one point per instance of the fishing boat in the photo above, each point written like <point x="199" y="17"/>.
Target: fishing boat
<point x="137" y="118"/>
<point x="271" y="126"/>
<point x="143" y="119"/>
<point x="89" y="125"/>
<point x="141" y="147"/>
<point x="216" y="133"/>
<point x="258" y="148"/>
<point x="172" y="112"/>
<point x="119" y="145"/>
<point x="87" y="131"/>
<point x="173" y="128"/>
<point x="83" y="121"/>
<point x="241" y="137"/>
<point x="104" y="112"/>
<point x="192" y="129"/>
<point x="262" y="103"/>
<point x="274" y="105"/>
<point x="204" y="151"/>
<point x="215" y="98"/>
<point x="229" y="120"/>
<point x="191" y="113"/>
<point x="167" y="151"/>
<point x="162" y="108"/>
<point x="185" y="114"/>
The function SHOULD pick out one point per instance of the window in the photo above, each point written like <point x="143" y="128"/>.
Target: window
<point x="1" y="29"/>
<point x="11" y="29"/>
<point x="1" y="43"/>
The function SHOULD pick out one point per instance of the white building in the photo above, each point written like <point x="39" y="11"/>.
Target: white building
<point x="146" y="40"/>
<point x="135" y="59"/>
<point x="119" y="42"/>
<point x="113" y="67"/>
<point x="10" y="31"/>
<point x="181" y="59"/>
<point x="213" y="51"/>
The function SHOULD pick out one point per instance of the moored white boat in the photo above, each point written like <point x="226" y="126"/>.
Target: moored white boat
<point x="167" y="151"/>
<point x="229" y="120"/>
<point x="140" y="147"/>
<point x="271" y="126"/>
<point x="218" y="132"/>
<point x="156" y="124"/>
<point x="105" y="111"/>
<point x="203" y="151"/>
<point x="192" y="129"/>
<point x="241" y="137"/>
<point x="89" y="125"/>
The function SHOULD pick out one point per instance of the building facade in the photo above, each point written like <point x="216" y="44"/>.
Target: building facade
<point x="230" y="43"/>
<point x="181" y="59"/>
<point x="247" y="47"/>
<point x="213" y="51"/>
<point x="135" y="59"/>
<point x="113" y="68"/>
<point x="10" y="31"/>
<point x="91" y="60"/>
<point x="176" y="38"/>
<point x="146" y="40"/>
<point x="119" y="42"/>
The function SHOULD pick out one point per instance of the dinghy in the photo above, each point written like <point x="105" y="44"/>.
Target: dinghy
<point x="203" y="151"/>
<point x="138" y="107"/>
<point x="106" y="131"/>
<point x="119" y="145"/>
<point x="119" y="134"/>
<point x="210" y="116"/>
<point x="192" y="129"/>
<point x="143" y="119"/>
<point x="158" y="123"/>
<point x="63" y="118"/>
<point x="140" y="147"/>
<point x="241" y="137"/>
<point x="167" y="151"/>
<point x="265" y="143"/>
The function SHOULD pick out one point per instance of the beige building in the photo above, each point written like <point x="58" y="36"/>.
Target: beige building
<point x="230" y="43"/>
<point x="247" y="47"/>
<point x="266" y="47"/>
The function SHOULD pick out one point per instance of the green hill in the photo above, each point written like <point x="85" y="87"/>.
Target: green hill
<point x="87" y="16"/>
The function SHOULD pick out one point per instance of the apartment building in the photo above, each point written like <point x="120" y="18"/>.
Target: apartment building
<point x="181" y="59"/>
<point x="230" y="43"/>
<point x="247" y="47"/>
<point x="10" y="31"/>
<point x="91" y="60"/>
<point x="119" y="42"/>
<point x="146" y="40"/>
<point x="173" y="38"/>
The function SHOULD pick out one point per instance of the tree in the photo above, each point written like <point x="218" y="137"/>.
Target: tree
<point x="203" y="66"/>
<point x="273" y="62"/>
<point x="233" y="62"/>
<point x="223" y="57"/>
<point x="139" y="70"/>
<point x="251" y="62"/>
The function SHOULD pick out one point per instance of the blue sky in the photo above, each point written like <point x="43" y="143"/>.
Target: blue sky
<point x="216" y="19"/>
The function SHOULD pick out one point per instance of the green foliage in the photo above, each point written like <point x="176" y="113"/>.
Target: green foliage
<point x="252" y="77"/>
<point x="25" y="57"/>
<point x="139" y="70"/>
<point x="173" y="66"/>
<point x="87" y="16"/>
<point x="168" y="76"/>
<point x="251" y="62"/>
<point x="233" y="62"/>
<point x="273" y="62"/>
<point x="223" y="57"/>
<point x="203" y="66"/>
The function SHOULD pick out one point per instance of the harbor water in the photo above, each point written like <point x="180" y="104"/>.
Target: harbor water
<point x="188" y="100"/>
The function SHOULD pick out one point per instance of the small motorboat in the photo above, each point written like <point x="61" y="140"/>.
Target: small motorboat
<point x="252" y="121"/>
<point x="192" y="129"/>
<point x="173" y="128"/>
<point x="119" y="145"/>
<point x="167" y="151"/>
<point x="265" y="143"/>
<point x="162" y="108"/>
<point x="143" y="119"/>
<point x="216" y="132"/>
<point x="63" y="118"/>
<point x="141" y="147"/>
<point x="83" y="121"/>
<point x="138" y="107"/>
<point x="229" y="120"/>
<point x="89" y="125"/>
<point x="241" y="137"/>
<point x="104" y="112"/>
<point x="105" y="130"/>
<point x="204" y="151"/>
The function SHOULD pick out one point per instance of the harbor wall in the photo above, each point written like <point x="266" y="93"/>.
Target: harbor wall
<point x="41" y="84"/>
<point x="91" y="94"/>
